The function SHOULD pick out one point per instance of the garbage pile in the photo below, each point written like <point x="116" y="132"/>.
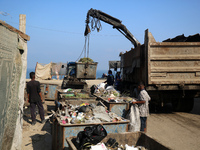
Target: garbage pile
<point x="182" y="38"/>
<point x="105" y="92"/>
<point x="84" y="113"/>
<point x="111" y="94"/>
<point x="112" y="144"/>
<point x="91" y="138"/>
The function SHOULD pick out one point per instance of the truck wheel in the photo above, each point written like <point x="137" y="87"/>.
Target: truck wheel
<point x="183" y="104"/>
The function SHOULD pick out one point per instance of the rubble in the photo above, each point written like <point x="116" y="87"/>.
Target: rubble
<point x="182" y="38"/>
<point x="84" y="113"/>
<point x="111" y="94"/>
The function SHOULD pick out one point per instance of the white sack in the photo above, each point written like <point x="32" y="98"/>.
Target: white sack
<point x="111" y="88"/>
<point x="134" y="117"/>
<point x="130" y="147"/>
<point x="101" y="86"/>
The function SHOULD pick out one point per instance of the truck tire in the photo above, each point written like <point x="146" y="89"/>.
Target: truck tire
<point x="183" y="104"/>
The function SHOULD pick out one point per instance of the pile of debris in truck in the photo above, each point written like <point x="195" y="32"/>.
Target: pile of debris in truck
<point x="182" y="38"/>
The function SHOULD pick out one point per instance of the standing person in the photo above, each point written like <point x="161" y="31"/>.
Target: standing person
<point x="143" y="104"/>
<point x="110" y="79"/>
<point x="118" y="81"/>
<point x="35" y="98"/>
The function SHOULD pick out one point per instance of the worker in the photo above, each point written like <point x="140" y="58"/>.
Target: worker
<point x="118" y="81"/>
<point x="35" y="98"/>
<point x="104" y="75"/>
<point x="110" y="79"/>
<point x="72" y="72"/>
<point x="143" y="104"/>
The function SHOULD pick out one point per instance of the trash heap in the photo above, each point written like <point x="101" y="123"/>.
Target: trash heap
<point x="111" y="94"/>
<point x="100" y="90"/>
<point x="93" y="138"/>
<point x="112" y="144"/>
<point x="85" y="113"/>
<point x="120" y="99"/>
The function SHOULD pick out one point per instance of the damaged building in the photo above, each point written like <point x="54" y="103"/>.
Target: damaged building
<point x="13" y="65"/>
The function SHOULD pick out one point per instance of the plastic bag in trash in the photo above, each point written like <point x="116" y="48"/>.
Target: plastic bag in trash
<point x="130" y="147"/>
<point x="100" y="146"/>
<point x="92" y="135"/>
<point x="84" y="109"/>
<point x="101" y="86"/>
<point x="110" y="88"/>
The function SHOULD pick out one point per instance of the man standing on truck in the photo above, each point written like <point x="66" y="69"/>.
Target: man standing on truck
<point x="35" y="98"/>
<point x="143" y="104"/>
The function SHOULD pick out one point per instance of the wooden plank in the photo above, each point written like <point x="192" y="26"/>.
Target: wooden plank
<point x="174" y="44"/>
<point x="197" y="74"/>
<point x="175" y="63"/>
<point x="175" y="57"/>
<point x="175" y="51"/>
<point x="24" y="36"/>
<point x="175" y="81"/>
<point x="175" y="69"/>
<point x="158" y="74"/>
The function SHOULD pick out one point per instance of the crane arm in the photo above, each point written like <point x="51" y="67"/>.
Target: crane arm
<point x="116" y="23"/>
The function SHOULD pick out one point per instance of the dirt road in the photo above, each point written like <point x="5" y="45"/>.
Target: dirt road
<point x="179" y="131"/>
<point x="37" y="137"/>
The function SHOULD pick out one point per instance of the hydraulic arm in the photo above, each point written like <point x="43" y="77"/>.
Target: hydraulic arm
<point x="116" y="23"/>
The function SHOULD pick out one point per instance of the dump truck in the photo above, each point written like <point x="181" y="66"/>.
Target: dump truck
<point x="170" y="71"/>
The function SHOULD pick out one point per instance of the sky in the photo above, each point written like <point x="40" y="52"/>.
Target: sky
<point x="56" y="27"/>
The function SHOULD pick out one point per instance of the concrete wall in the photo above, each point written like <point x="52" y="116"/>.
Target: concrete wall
<point x="13" y="60"/>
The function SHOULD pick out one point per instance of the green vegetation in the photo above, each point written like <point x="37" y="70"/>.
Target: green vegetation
<point x="84" y="60"/>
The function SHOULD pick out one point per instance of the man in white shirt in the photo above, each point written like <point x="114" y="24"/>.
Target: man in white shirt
<point x="143" y="104"/>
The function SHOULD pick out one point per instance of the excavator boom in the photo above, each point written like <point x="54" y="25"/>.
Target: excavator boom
<point x="116" y="23"/>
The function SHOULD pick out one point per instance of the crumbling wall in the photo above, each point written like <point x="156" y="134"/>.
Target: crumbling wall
<point x="10" y="74"/>
<point x="17" y="140"/>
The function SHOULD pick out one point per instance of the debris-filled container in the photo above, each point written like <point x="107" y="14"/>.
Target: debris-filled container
<point x="118" y="105"/>
<point x="86" y="70"/>
<point x="136" y="139"/>
<point x="112" y="99"/>
<point x="49" y="91"/>
<point x="71" y="125"/>
<point x="74" y="94"/>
